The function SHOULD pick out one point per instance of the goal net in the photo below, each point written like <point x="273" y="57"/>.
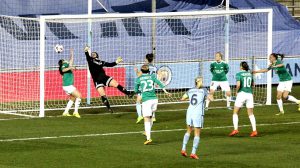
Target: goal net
<point x="184" y="44"/>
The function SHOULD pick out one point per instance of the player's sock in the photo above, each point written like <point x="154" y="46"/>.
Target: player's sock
<point x="195" y="144"/>
<point x="292" y="99"/>
<point x="148" y="129"/>
<point x="139" y="109"/>
<point x="228" y="98"/>
<point x="105" y="101"/>
<point x="280" y="106"/>
<point x="186" y="138"/>
<point x="253" y="122"/>
<point x="207" y="103"/>
<point x="235" y="120"/>
<point x="77" y="103"/>
<point x="123" y="90"/>
<point x="69" y="105"/>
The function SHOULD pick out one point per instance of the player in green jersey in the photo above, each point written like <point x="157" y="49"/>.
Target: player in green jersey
<point x="152" y="70"/>
<point x="244" y="94"/>
<point x="219" y="69"/>
<point x="144" y="84"/>
<point x="66" y="70"/>
<point x="285" y="81"/>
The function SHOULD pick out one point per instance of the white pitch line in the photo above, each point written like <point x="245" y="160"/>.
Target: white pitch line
<point x="136" y="132"/>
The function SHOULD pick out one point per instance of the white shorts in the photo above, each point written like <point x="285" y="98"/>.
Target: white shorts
<point x="194" y="121"/>
<point x="242" y="98"/>
<point x="223" y="84"/>
<point x="285" y="86"/>
<point x="149" y="106"/>
<point x="69" y="89"/>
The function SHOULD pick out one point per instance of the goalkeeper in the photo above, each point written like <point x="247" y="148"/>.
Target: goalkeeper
<point x="100" y="78"/>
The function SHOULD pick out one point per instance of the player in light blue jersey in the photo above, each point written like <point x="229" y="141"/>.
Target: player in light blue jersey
<point x="152" y="70"/>
<point x="194" y="115"/>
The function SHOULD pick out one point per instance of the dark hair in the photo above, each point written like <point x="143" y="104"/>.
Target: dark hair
<point x="150" y="57"/>
<point x="145" y="69"/>
<point x="97" y="56"/>
<point x="60" y="63"/>
<point x="276" y="55"/>
<point x="245" y="66"/>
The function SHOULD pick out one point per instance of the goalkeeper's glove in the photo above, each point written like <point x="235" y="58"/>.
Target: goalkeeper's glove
<point x="119" y="59"/>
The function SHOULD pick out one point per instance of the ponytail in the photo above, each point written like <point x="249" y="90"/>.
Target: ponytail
<point x="60" y="63"/>
<point x="281" y="55"/>
<point x="276" y="55"/>
<point x="244" y="65"/>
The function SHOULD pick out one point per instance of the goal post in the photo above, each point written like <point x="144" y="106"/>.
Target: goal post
<point x="185" y="44"/>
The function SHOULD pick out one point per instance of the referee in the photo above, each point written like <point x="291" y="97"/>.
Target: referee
<point x="100" y="78"/>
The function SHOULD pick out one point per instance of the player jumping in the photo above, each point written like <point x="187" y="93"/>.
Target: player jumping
<point x="194" y="116"/>
<point x="244" y="84"/>
<point x="152" y="70"/>
<point x="145" y="85"/>
<point x="219" y="69"/>
<point x="66" y="70"/>
<point x="285" y="81"/>
<point x="100" y="78"/>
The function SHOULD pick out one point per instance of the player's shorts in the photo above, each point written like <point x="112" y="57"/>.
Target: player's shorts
<point x="102" y="81"/>
<point x="194" y="121"/>
<point x="243" y="97"/>
<point x="285" y="86"/>
<point x="223" y="84"/>
<point x="149" y="106"/>
<point x="69" y="89"/>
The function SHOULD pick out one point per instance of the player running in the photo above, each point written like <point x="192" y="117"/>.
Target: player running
<point x="66" y="70"/>
<point x="244" y="84"/>
<point x="194" y="116"/>
<point x="152" y="68"/>
<point x="144" y="84"/>
<point x="285" y="81"/>
<point x="219" y="69"/>
<point x="100" y="78"/>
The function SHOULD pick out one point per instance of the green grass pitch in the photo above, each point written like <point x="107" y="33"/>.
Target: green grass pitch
<point x="114" y="140"/>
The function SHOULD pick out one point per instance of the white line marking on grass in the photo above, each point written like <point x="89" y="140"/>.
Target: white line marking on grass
<point x="136" y="132"/>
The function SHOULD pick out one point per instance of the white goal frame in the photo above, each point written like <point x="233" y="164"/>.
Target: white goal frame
<point x="89" y="16"/>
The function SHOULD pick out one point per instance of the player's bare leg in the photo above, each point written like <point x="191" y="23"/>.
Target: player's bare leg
<point x="186" y="138"/>
<point x="280" y="103"/>
<point x="235" y="120"/>
<point x="101" y="91"/>
<point x="211" y="94"/>
<point x="252" y="121"/>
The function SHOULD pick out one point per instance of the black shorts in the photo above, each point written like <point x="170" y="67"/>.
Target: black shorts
<point x="102" y="81"/>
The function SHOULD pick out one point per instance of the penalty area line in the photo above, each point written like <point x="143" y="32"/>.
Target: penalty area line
<point x="133" y="132"/>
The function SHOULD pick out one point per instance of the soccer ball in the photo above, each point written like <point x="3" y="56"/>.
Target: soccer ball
<point x="58" y="48"/>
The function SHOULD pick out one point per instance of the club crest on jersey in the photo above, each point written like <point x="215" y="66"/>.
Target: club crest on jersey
<point x="164" y="74"/>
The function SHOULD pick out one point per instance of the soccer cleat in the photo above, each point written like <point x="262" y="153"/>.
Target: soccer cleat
<point x="253" y="134"/>
<point x="110" y="110"/>
<point x="183" y="153"/>
<point x="76" y="115"/>
<point x="194" y="156"/>
<point x="148" y="142"/>
<point x="234" y="132"/>
<point x="280" y="113"/>
<point x="66" y="115"/>
<point x="139" y="119"/>
<point x="154" y="119"/>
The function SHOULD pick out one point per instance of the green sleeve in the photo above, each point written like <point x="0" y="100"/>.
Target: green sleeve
<point x="226" y="68"/>
<point x="136" y="85"/>
<point x="161" y="85"/>
<point x="238" y="77"/>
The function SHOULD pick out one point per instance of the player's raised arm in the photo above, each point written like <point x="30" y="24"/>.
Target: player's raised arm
<point x="87" y="53"/>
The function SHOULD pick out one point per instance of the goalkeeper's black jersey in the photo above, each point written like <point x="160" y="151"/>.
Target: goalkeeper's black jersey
<point x="96" y="66"/>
